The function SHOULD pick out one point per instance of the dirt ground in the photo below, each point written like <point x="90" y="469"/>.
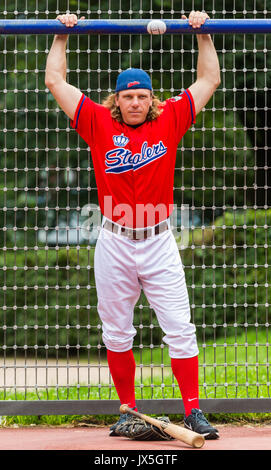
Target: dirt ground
<point x="96" y="438"/>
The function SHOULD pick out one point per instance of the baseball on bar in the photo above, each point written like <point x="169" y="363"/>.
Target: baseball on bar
<point x="156" y="27"/>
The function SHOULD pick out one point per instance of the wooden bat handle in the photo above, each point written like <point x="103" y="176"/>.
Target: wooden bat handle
<point x="185" y="435"/>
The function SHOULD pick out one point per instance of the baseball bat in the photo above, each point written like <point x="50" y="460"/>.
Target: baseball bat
<point x="178" y="432"/>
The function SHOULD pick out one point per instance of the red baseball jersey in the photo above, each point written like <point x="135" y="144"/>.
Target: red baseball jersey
<point x="134" y="166"/>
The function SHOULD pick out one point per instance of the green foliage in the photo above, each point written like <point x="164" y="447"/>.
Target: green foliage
<point x="226" y="269"/>
<point x="49" y="299"/>
<point x="228" y="273"/>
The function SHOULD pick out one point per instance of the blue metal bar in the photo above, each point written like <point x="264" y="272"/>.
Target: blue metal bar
<point x="229" y="26"/>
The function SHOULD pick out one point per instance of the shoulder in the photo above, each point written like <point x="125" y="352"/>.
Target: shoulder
<point x="183" y="104"/>
<point x="88" y="102"/>
<point x="181" y="98"/>
<point x="88" y="111"/>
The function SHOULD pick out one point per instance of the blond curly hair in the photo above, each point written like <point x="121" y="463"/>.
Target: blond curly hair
<point x="155" y="110"/>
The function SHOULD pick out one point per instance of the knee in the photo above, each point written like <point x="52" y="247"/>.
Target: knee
<point x="117" y="344"/>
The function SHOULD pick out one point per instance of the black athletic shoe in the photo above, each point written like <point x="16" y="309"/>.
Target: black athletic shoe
<point x="197" y="422"/>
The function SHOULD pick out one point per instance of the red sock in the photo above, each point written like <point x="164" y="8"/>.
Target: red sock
<point x="186" y="373"/>
<point x="122" y="367"/>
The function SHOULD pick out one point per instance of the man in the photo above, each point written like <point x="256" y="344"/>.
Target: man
<point x="133" y="140"/>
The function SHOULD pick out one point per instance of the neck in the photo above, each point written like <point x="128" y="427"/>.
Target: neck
<point x="134" y="125"/>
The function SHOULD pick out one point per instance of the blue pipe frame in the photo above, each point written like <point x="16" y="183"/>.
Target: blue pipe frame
<point x="106" y="27"/>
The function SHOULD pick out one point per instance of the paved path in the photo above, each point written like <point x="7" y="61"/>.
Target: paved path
<point x="97" y="438"/>
<point x="33" y="373"/>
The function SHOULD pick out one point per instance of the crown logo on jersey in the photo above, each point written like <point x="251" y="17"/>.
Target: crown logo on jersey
<point x="120" y="140"/>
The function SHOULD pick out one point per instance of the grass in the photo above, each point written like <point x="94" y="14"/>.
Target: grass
<point x="237" y="368"/>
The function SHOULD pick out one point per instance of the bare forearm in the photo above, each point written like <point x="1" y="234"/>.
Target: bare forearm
<point x="208" y="70"/>
<point x="56" y="65"/>
<point x="208" y="64"/>
<point x="66" y="95"/>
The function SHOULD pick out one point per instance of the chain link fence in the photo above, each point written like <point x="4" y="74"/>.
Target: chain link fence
<point x="51" y="350"/>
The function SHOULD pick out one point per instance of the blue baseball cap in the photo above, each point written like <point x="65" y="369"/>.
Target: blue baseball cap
<point x="132" y="79"/>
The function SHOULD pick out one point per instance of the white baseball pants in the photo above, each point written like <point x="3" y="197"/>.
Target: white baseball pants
<point x="122" y="267"/>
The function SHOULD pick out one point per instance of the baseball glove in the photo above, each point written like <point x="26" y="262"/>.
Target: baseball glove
<point x="139" y="430"/>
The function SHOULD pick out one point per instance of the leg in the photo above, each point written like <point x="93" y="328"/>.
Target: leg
<point x="122" y="368"/>
<point x="186" y="373"/>
<point x="163" y="282"/>
<point x="118" y="290"/>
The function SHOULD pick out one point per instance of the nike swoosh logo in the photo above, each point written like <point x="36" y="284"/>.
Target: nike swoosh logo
<point x="191" y="399"/>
